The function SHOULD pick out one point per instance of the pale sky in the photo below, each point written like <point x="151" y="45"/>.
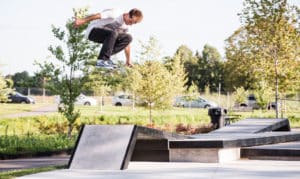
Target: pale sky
<point x="25" y="26"/>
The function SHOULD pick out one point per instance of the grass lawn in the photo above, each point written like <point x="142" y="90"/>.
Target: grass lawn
<point x="116" y="115"/>
<point x="18" y="173"/>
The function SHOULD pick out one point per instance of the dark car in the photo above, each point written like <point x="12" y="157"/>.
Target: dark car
<point x="20" y="98"/>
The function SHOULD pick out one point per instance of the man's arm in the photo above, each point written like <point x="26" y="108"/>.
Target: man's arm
<point x="127" y="54"/>
<point x="78" y="21"/>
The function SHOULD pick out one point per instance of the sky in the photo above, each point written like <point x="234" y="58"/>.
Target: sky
<point x="25" y="26"/>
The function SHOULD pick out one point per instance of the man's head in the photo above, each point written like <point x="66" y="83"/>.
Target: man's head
<point x="133" y="16"/>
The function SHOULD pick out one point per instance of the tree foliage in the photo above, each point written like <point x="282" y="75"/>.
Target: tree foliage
<point x="209" y="69"/>
<point x="66" y="77"/>
<point x="189" y="61"/>
<point x="266" y="47"/>
<point x="152" y="83"/>
<point x="5" y="88"/>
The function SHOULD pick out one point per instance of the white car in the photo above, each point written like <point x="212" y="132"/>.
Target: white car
<point x="85" y="100"/>
<point x="82" y="100"/>
<point x="199" y="102"/>
<point x="122" y="100"/>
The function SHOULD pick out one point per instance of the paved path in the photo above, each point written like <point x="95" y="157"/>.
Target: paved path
<point x="50" y="108"/>
<point x="246" y="169"/>
<point x="24" y="163"/>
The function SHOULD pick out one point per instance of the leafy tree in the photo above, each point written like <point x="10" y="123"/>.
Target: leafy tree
<point x="23" y="79"/>
<point x="269" y="44"/>
<point x="152" y="83"/>
<point x="240" y="96"/>
<point x="67" y="76"/>
<point x="5" y="89"/>
<point x="150" y="50"/>
<point x="264" y="95"/>
<point x="239" y="72"/>
<point x="209" y="69"/>
<point x="178" y="74"/>
<point x="189" y="62"/>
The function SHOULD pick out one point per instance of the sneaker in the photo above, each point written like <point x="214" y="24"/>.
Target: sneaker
<point x="112" y="63"/>
<point x="104" y="64"/>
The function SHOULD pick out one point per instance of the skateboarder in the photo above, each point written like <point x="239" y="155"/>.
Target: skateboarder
<point x="110" y="28"/>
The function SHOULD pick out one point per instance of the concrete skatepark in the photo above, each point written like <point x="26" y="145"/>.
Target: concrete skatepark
<point x="250" y="148"/>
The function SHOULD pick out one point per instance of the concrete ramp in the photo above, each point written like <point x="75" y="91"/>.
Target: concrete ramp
<point x="111" y="147"/>
<point x="104" y="147"/>
<point x="255" y="125"/>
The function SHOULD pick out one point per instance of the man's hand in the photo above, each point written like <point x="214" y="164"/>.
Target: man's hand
<point x="129" y="65"/>
<point x="78" y="22"/>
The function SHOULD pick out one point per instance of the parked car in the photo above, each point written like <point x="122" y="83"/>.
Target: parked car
<point x="16" y="97"/>
<point x="122" y="100"/>
<point x="199" y="102"/>
<point x="82" y="100"/>
<point x="85" y="100"/>
<point x="251" y="102"/>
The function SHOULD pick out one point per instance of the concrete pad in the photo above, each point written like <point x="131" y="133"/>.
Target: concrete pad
<point x="246" y="169"/>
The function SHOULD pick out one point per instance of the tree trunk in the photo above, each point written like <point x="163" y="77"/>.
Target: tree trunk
<point x="101" y="103"/>
<point x="70" y="131"/>
<point x="276" y="86"/>
<point x="150" y="113"/>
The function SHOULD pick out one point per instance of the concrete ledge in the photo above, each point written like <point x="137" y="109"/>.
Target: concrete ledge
<point x="211" y="155"/>
<point x="281" y="151"/>
<point x="234" y="141"/>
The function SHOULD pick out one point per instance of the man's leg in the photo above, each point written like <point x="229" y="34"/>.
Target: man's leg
<point x="122" y="41"/>
<point x="108" y="38"/>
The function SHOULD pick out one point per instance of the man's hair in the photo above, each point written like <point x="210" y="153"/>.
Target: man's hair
<point x="135" y="12"/>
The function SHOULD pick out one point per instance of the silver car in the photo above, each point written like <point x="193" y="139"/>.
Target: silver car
<point x="122" y="100"/>
<point x="199" y="102"/>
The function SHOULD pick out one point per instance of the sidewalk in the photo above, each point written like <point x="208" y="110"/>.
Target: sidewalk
<point x="246" y="169"/>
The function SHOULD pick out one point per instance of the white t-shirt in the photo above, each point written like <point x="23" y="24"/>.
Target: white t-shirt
<point x="111" y="18"/>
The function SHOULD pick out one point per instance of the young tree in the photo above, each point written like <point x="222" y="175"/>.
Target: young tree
<point x="67" y="77"/>
<point x="264" y="95"/>
<point x="240" y="96"/>
<point x="150" y="50"/>
<point x="152" y="83"/>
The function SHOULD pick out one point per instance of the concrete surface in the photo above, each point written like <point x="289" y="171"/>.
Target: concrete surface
<point x="245" y="169"/>
<point x="25" y="163"/>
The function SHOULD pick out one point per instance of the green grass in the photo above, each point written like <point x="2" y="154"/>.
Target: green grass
<point x="56" y="123"/>
<point x="33" y="145"/>
<point x="18" y="173"/>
